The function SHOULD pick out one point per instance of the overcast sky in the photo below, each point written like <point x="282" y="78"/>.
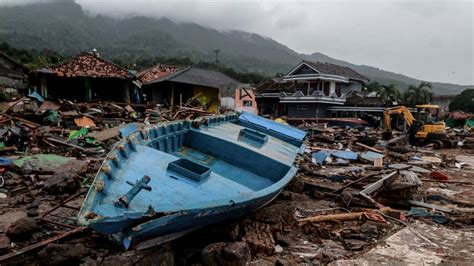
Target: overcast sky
<point x="429" y="40"/>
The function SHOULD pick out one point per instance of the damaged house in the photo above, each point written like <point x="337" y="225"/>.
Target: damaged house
<point x="87" y="77"/>
<point x="308" y="90"/>
<point x="174" y="85"/>
<point x="13" y="75"/>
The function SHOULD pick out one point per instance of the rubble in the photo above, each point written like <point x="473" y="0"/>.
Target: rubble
<point x="21" y="228"/>
<point x="228" y="254"/>
<point x="353" y="193"/>
<point x="63" y="181"/>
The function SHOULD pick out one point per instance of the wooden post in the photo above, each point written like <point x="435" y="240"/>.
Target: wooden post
<point x="126" y="92"/>
<point x="88" y="85"/>
<point x="43" y="87"/>
<point x="172" y="94"/>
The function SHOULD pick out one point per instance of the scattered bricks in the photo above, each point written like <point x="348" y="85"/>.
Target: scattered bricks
<point x="374" y="217"/>
<point x="378" y="163"/>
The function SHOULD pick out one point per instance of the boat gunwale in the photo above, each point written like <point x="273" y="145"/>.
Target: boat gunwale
<point x="143" y="138"/>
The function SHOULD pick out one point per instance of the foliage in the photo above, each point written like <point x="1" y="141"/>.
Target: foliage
<point x="4" y="97"/>
<point x="463" y="102"/>
<point x="373" y="86"/>
<point x="388" y="93"/>
<point x="245" y="77"/>
<point x="37" y="59"/>
<point x="31" y="58"/>
<point x="420" y="94"/>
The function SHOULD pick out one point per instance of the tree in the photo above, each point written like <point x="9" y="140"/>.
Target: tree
<point x="388" y="93"/>
<point x="373" y="86"/>
<point x="420" y="94"/>
<point x="463" y="102"/>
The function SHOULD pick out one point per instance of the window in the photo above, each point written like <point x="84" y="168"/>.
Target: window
<point x="301" y="107"/>
<point x="248" y="103"/>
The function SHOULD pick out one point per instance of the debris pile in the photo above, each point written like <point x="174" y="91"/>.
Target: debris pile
<point x="353" y="190"/>
<point x="50" y="152"/>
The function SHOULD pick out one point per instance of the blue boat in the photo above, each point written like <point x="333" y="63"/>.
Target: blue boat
<point x="163" y="181"/>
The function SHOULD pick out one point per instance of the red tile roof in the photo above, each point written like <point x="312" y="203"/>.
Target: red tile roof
<point x="157" y="72"/>
<point x="87" y="65"/>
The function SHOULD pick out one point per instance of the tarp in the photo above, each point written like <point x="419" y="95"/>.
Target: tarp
<point x="470" y="123"/>
<point x="5" y="161"/>
<point x="346" y="155"/>
<point x="36" y="96"/>
<point x="320" y="156"/>
<point x="371" y="156"/>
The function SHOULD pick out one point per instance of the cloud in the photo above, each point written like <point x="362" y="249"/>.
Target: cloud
<point x="430" y="40"/>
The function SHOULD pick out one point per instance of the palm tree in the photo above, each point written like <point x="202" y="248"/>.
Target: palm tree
<point x="388" y="93"/>
<point x="420" y="94"/>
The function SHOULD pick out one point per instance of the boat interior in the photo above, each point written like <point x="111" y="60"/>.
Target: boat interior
<point x="176" y="167"/>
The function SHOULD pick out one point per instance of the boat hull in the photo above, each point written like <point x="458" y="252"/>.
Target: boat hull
<point x="186" y="222"/>
<point x="169" y="179"/>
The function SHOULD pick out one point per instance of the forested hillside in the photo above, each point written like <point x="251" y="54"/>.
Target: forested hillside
<point x="65" y="28"/>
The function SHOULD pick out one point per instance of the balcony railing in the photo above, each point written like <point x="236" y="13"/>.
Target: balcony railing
<point x="315" y="97"/>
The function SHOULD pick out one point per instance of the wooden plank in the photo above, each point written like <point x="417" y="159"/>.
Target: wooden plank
<point x="66" y="143"/>
<point x="368" y="147"/>
<point x="338" y="216"/>
<point x="106" y="134"/>
<point x="332" y="217"/>
<point x="360" y="180"/>
<point x="29" y="123"/>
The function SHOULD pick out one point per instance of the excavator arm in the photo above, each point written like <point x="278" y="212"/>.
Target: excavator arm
<point x="407" y="115"/>
<point x="419" y="132"/>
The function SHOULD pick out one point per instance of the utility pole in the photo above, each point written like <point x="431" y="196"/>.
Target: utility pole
<point x="217" y="51"/>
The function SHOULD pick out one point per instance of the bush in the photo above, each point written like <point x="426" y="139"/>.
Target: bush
<point x="5" y="97"/>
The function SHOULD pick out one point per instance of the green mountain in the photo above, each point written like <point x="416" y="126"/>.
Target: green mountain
<point x="64" y="27"/>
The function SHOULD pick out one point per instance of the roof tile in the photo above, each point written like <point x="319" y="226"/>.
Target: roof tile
<point x="87" y="65"/>
<point x="157" y="72"/>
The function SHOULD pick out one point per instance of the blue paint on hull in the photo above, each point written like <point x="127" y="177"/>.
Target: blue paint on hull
<point x="174" y="177"/>
<point x="183" y="221"/>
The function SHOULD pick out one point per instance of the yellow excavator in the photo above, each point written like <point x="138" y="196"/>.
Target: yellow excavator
<point x="424" y="130"/>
